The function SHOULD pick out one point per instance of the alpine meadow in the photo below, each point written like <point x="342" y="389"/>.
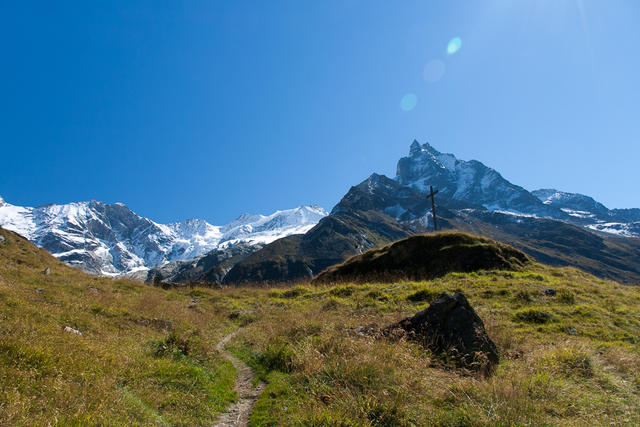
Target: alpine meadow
<point x="338" y="213"/>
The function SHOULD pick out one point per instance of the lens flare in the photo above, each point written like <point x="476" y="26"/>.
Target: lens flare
<point x="454" y="45"/>
<point x="409" y="102"/>
<point x="433" y="71"/>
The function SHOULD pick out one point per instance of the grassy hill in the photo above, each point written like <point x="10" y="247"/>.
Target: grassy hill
<point x="147" y="355"/>
<point x="426" y="256"/>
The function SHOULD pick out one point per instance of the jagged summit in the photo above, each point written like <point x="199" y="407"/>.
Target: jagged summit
<point x="380" y="210"/>
<point x="469" y="181"/>
<point x="416" y="149"/>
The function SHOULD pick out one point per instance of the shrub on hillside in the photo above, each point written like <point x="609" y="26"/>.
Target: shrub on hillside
<point x="172" y="346"/>
<point x="532" y="315"/>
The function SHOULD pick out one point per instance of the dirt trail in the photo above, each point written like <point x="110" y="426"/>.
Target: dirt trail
<point x="238" y="413"/>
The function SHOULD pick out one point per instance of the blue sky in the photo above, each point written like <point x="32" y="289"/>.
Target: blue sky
<point x="210" y="109"/>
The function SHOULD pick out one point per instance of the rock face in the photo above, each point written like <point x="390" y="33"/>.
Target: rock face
<point x="451" y="326"/>
<point x="474" y="183"/>
<point x="210" y="268"/>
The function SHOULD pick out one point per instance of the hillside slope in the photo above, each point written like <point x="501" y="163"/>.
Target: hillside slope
<point x="82" y="350"/>
<point x="568" y="346"/>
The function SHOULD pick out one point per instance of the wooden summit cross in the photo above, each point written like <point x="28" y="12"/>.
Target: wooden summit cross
<point x="433" y="205"/>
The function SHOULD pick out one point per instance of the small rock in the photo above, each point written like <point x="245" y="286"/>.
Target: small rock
<point x="93" y="290"/>
<point x="550" y="292"/>
<point x="40" y="290"/>
<point x="369" y="329"/>
<point x="572" y="330"/>
<point x="46" y="271"/>
<point x="72" y="331"/>
<point x="2" y="239"/>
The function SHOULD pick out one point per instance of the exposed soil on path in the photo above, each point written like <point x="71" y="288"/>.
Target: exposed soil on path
<point x="239" y="412"/>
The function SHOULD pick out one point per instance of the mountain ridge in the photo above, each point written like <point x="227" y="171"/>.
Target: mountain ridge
<point x="296" y="244"/>
<point x="111" y="239"/>
<point x="505" y="212"/>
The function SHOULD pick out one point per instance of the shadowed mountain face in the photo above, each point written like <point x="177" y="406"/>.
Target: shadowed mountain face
<point x="209" y="268"/>
<point x="472" y="198"/>
<point x="300" y="257"/>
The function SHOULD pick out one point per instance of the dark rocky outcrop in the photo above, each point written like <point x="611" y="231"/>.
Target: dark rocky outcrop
<point x="451" y="327"/>
<point x="208" y="269"/>
<point x="300" y="257"/>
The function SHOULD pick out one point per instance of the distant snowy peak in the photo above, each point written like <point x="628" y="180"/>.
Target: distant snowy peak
<point x="267" y="228"/>
<point x="110" y="239"/>
<point x="469" y="181"/>
<point x="571" y="201"/>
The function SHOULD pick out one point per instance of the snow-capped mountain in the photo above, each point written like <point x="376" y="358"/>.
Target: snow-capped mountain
<point x="110" y="239"/>
<point x="469" y="181"/>
<point x="573" y="204"/>
<point x="474" y="183"/>
<point x="592" y="214"/>
<point x="553" y="227"/>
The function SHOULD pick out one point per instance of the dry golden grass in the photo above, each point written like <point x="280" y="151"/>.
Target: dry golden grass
<point x="124" y="368"/>
<point x="570" y="359"/>
<point x="324" y="366"/>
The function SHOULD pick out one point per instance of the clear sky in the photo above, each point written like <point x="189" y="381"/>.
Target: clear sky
<point x="210" y="109"/>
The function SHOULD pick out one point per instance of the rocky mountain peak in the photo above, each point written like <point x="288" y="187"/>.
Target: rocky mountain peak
<point x="417" y="149"/>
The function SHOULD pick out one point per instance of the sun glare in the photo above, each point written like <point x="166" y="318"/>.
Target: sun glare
<point x="454" y="45"/>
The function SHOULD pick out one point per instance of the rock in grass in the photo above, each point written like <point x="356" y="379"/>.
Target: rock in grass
<point x="451" y="327"/>
<point x="70" y="330"/>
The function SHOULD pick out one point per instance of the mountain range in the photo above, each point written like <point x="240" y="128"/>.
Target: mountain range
<point x="557" y="228"/>
<point x="112" y="240"/>
<point x="554" y="227"/>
